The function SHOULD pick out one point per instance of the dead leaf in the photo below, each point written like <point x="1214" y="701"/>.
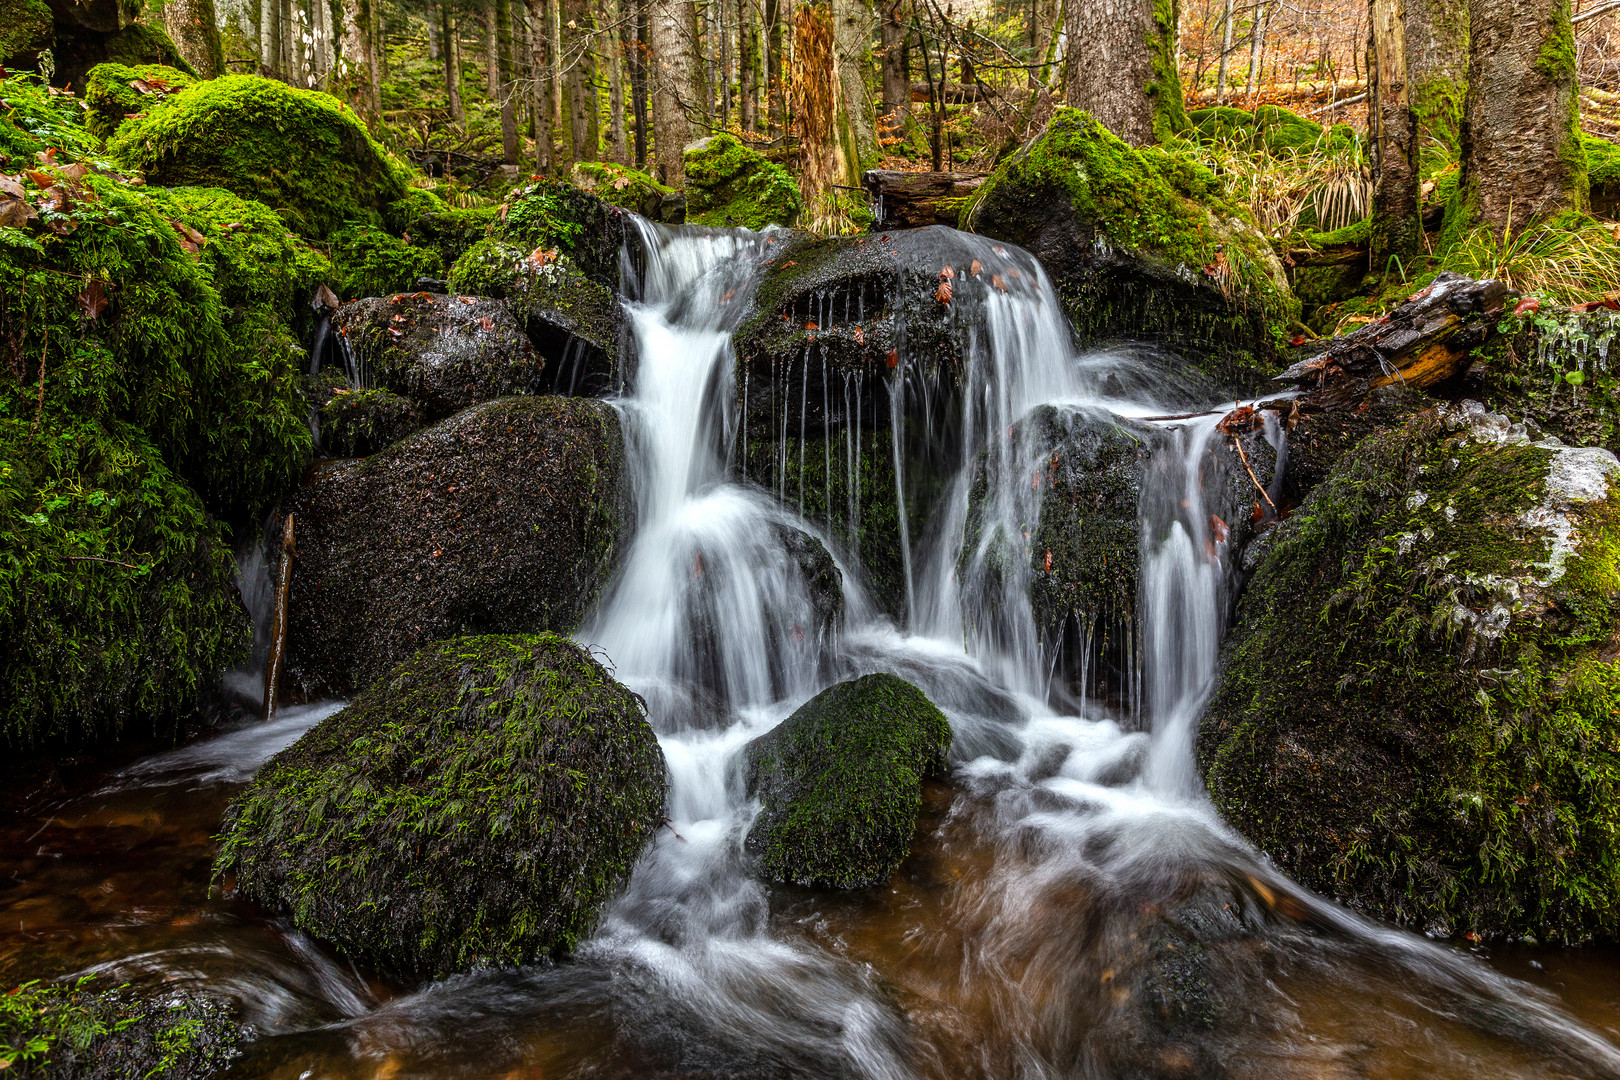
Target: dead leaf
<point x="995" y="279"/>
<point x="1015" y="273"/>
<point x="811" y="326"/>
<point x="860" y="336"/>
<point x="620" y="183"/>
<point x="9" y="186"/>
<point x="976" y="267"/>
<point x="46" y="158"/>
<point x="15" y="212"/>
<point x="943" y="293"/>
<point x="1048" y="567"/>
<point x="43" y="179"/>
<point x="947" y="274"/>
<point x="1218" y="528"/>
<point x="999" y="250"/>
<point x="894" y="357"/>
<point x="93" y="300"/>
<point x="468" y="299"/>
<point x="787" y="264"/>
<point x="76" y="171"/>
<point x="1528" y="306"/>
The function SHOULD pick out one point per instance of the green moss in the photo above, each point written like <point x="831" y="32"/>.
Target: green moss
<point x="476" y="806"/>
<point x="548" y="298"/>
<point x="26" y="26"/>
<point x="621" y="186"/>
<point x="111" y="98"/>
<point x="1418" y="713"/>
<point x="369" y="262"/>
<point x="71" y="1030"/>
<point x="302" y="153"/>
<point x="840" y="783"/>
<point x="729" y="184"/>
<point x="451" y="232"/>
<point x="1437" y="104"/>
<point x="34" y="120"/>
<point x="359" y="422"/>
<point x="1169" y="108"/>
<point x="143" y="43"/>
<point x="416" y="201"/>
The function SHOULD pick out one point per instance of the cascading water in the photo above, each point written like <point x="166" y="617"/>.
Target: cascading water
<point x="1073" y="906"/>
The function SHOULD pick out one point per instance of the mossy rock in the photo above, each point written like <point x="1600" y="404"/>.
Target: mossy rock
<point x="1553" y="369"/>
<point x="573" y="322"/>
<point x="85" y="1030"/>
<point x="1270" y="128"/>
<point x="118" y="41"/>
<point x="118" y="600"/>
<point x="476" y="806"/>
<point x="1418" y="710"/>
<point x="302" y="153"/>
<point x="626" y="187"/>
<point x="840" y="783"/>
<point x="451" y="232"/>
<point x="26" y="29"/>
<point x="444" y="353"/>
<point x="355" y="423"/>
<point x="109" y="92"/>
<point x="729" y="184"/>
<point x="1603" y="175"/>
<point x="1141" y="244"/>
<point x="549" y="215"/>
<point x="34" y="120"/>
<point x="506" y="518"/>
<point x="368" y="262"/>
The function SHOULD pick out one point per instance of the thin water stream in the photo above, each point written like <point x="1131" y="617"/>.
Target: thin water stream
<point x="1073" y="907"/>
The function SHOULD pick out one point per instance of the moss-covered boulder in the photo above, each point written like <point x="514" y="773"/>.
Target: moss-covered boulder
<point x="475" y="806"/>
<point x="506" y="518"/>
<point x="442" y="352"/>
<point x="33" y="120"/>
<point x="549" y="215"/>
<point x="1141" y="243"/>
<point x="1554" y="370"/>
<point x="840" y="783"/>
<point x="88" y="1030"/>
<point x="729" y="184"/>
<point x="355" y="423"/>
<point x="302" y="153"/>
<point x="631" y="189"/>
<point x="573" y="322"/>
<point x="27" y="28"/>
<point x="450" y="232"/>
<point x="1420" y="708"/>
<point x="1270" y="128"/>
<point x="114" y="92"/>
<point x="369" y="262"/>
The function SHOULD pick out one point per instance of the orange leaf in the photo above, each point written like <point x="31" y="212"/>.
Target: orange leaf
<point x="995" y="279"/>
<point x="943" y="293"/>
<point x="976" y="267"/>
<point x="894" y="357"/>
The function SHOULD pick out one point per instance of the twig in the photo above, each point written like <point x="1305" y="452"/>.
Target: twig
<point x="1180" y="416"/>
<point x="97" y="558"/>
<point x="39" y="407"/>
<point x="1337" y="104"/>
<point x="1237" y="442"/>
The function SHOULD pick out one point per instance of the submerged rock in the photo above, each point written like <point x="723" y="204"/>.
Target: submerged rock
<point x="840" y="783"/>
<point x="300" y="151"/>
<point x="1418" y="708"/>
<point x="1141" y="244"/>
<point x="505" y="518"/>
<point x="474" y="807"/>
<point x="444" y="353"/>
<point x="573" y="322"/>
<point x="729" y="184"/>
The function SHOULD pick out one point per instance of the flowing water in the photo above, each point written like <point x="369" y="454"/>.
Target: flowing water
<point x="1073" y="905"/>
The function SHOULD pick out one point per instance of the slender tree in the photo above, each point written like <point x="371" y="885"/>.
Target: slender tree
<point x="671" y="82"/>
<point x="1391" y="134"/>
<point x="1121" y="66"/>
<point x="504" y="89"/>
<point x="579" y="80"/>
<point x="815" y="114"/>
<point x="539" y="94"/>
<point x="748" y="64"/>
<point x="1437" y="69"/>
<point x="639" y="82"/>
<point x="1226" y="53"/>
<point x="892" y="25"/>
<point x="618" y="146"/>
<point x="451" y="50"/>
<point x="1521" y="148"/>
<point x="853" y="28"/>
<point x="353" y="67"/>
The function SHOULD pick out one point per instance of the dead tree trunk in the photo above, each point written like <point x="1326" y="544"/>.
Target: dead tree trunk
<point x="1395" y="224"/>
<point x="815" y="115"/>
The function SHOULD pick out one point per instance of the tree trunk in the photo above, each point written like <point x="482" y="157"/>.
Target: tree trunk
<point x="352" y="70"/>
<point x="269" y="37"/>
<point x="584" y="126"/>
<point x="671" y="82"/>
<point x="539" y="97"/>
<point x="1522" y="155"/>
<point x="1226" y="54"/>
<point x="1121" y="67"/>
<point x="618" y="147"/>
<point x="1395" y="224"/>
<point x="717" y="23"/>
<point x="816" y="92"/>
<point x="780" y="89"/>
<point x="638" y="78"/>
<point x="747" y="65"/>
<point x="492" y="53"/>
<point x="191" y="24"/>
<point x="554" y="82"/>
<point x="452" y="63"/>
<point x="896" y="79"/>
<point x="852" y="58"/>
<point x="1437" y="69"/>
<point x="503" y="85"/>
<point x="1257" y="38"/>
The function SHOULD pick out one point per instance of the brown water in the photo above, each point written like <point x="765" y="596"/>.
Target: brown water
<point x="1075" y="978"/>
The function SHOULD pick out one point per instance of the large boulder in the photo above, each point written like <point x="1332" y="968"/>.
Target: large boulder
<point x="114" y="92"/>
<point x="1418" y="710"/>
<point x="27" y="28"/>
<point x="507" y="517"/>
<point x="1141" y="244"/>
<point x="300" y="151"/>
<point x="729" y="184"/>
<point x="840" y="783"/>
<point x="573" y="322"/>
<point x="474" y="807"/>
<point x="443" y="353"/>
<point x="631" y="189"/>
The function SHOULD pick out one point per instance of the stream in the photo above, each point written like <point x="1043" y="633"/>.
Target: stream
<point x="1073" y="905"/>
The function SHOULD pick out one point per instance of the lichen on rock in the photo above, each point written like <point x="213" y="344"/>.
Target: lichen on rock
<point x="1418" y="708"/>
<point x="475" y="806"/>
<point x="840" y="783"/>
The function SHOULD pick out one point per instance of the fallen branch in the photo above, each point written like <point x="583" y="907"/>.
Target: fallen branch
<point x="98" y="558"/>
<point x="1237" y="442"/>
<point x="278" y="619"/>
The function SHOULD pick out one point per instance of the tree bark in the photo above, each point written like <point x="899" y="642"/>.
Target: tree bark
<point x="191" y="24"/>
<point x="896" y="79"/>
<point x="352" y="69"/>
<point x="747" y="65"/>
<point x="618" y="147"/>
<point x="1226" y="54"/>
<point x="579" y="81"/>
<point x="780" y="88"/>
<point x="1522" y="156"/>
<point x="452" y="63"/>
<point x="554" y="82"/>
<point x="1257" y="38"/>
<point x="1395" y="224"/>
<point x="269" y="37"/>
<point x="539" y="97"/>
<point x="852" y="58"/>
<point x="1121" y="67"/>
<point x="492" y="53"/>
<point x="1437" y="69"/>
<point x="503" y="85"/>
<point x="816" y="92"/>
<point x="671" y="82"/>
<point x="639" y="87"/>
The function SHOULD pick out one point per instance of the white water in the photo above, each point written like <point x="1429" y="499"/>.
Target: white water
<point x="708" y="621"/>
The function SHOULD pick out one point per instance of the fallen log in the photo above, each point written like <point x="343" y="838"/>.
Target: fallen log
<point x="909" y="200"/>
<point x="1425" y="341"/>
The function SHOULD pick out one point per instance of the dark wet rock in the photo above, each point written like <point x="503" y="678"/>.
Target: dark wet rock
<point x="505" y="518"/>
<point x="840" y="783"/>
<point x="1419" y="689"/>
<point x="476" y="806"/>
<point x="451" y="232"/>
<point x="355" y="423"/>
<point x="1142" y="244"/>
<point x="573" y="322"/>
<point x="27" y="28"/>
<point x="1318" y="439"/>
<point x="728" y="184"/>
<point x="442" y="352"/>
<point x="631" y="189"/>
<point x="92" y="1030"/>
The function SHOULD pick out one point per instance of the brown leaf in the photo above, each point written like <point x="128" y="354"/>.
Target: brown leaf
<point x="860" y="336"/>
<point x="468" y="299"/>
<point x="1218" y="528"/>
<point x="943" y="293"/>
<point x="93" y="300"/>
<point x="43" y="179"/>
<point x="46" y="158"/>
<point x="811" y="326"/>
<point x="995" y="279"/>
<point x="620" y="183"/>
<point x="787" y="264"/>
<point x="1528" y="306"/>
<point x="1015" y="273"/>
<point x="947" y="274"/>
<point x="487" y="323"/>
<point x="976" y="267"/>
<point x="894" y="357"/>
<point x="140" y="86"/>
<point x="76" y="171"/>
<point x="15" y="213"/>
<point x="9" y="186"/>
<point x="1048" y="567"/>
<point x="999" y="250"/>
